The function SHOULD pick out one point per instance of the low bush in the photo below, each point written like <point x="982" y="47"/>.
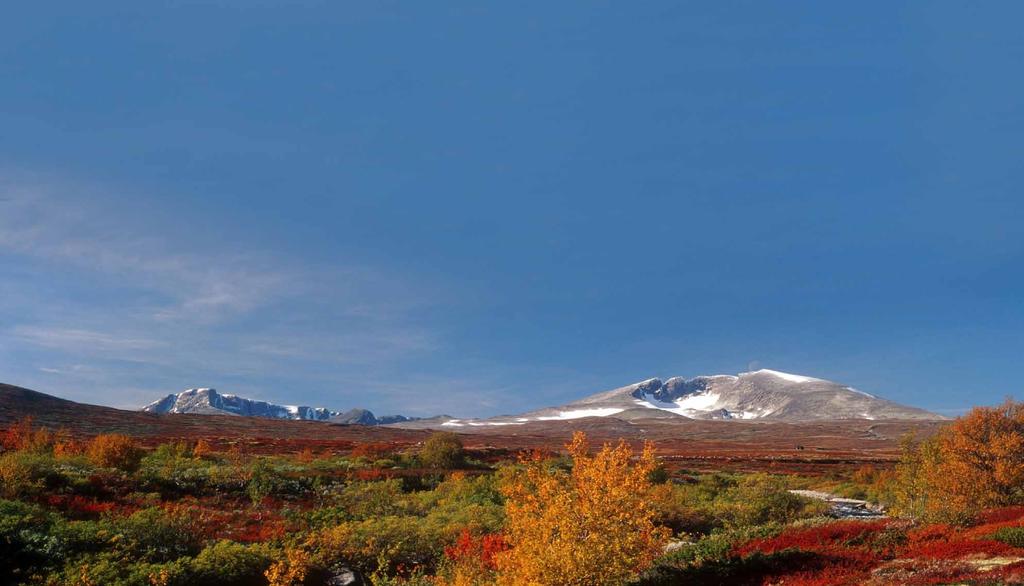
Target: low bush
<point x="442" y="450"/>
<point x="159" y="535"/>
<point x="114" y="451"/>
<point x="227" y="562"/>
<point x="24" y="539"/>
<point x="360" y="500"/>
<point x="717" y="501"/>
<point x="1010" y="535"/>
<point x="382" y="544"/>
<point x="25" y="437"/>
<point x="760" y="498"/>
<point x="19" y="475"/>
<point x="263" y="481"/>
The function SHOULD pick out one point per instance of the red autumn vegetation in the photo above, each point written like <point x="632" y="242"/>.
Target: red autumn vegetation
<point x="25" y="437"/>
<point x="477" y="548"/>
<point x="852" y="552"/>
<point x="373" y="450"/>
<point x="400" y="516"/>
<point x="811" y="538"/>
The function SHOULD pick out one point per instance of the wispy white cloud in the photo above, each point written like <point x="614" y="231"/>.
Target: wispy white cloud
<point x="116" y="308"/>
<point x="74" y="339"/>
<point x="44" y="222"/>
<point x="159" y="307"/>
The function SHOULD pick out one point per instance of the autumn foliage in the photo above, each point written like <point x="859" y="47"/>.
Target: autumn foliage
<point x="114" y="451"/>
<point x="107" y="510"/>
<point x="473" y="558"/>
<point x="977" y="462"/>
<point x="591" y="526"/>
<point x="24" y="436"/>
<point x="202" y="449"/>
<point x="290" y="571"/>
<point x="373" y="450"/>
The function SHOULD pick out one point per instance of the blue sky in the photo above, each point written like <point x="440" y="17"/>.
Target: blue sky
<point x="478" y="208"/>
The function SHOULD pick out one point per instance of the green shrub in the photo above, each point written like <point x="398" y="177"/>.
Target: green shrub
<point x="171" y="470"/>
<point x="759" y="499"/>
<point x="20" y="474"/>
<point x="463" y="490"/>
<point x="263" y="481"/>
<point x="24" y="539"/>
<point x="1010" y="535"/>
<point x="362" y="500"/>
<point x="442" y="450"/>
<point x="170" y="451"/>
<point x="717" y="501"/>
<point x="382" y="544"/>
<point x="110" y="569"/>
<point x="659" y="475"/>
<point x="680" y="511"/>
<point x="227" y="562"/>
<point x="68" y="539"/>
<point x="157" y="535"/>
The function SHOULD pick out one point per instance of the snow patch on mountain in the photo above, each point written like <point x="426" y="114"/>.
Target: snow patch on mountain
<point x="793" y="378"/>
<point x="580" y="413"/>
<point x="461" y="423"/>
<point x="687" y="406"/>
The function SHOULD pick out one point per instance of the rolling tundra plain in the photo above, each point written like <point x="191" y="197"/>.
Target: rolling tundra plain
<point x="629" y="486"/>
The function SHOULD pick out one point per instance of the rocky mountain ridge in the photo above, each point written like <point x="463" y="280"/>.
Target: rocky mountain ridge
<point x="207" y="401"/>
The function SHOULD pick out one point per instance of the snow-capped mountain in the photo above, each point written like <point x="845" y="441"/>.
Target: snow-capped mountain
<point x="207" y="401"/>
<point x="760" y="395"/>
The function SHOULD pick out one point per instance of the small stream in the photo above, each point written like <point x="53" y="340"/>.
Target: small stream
<point x="844" y="508"/>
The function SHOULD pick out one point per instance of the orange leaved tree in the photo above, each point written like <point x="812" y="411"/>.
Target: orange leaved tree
<point x="113" y="450"/>
<point x="974" y="463"/>
<point x="591" y="526"/>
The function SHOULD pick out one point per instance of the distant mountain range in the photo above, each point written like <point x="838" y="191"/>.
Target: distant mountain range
<point x="766" y="395"/>
<point x="207" y="401"/>
<point x="763" y="395"/>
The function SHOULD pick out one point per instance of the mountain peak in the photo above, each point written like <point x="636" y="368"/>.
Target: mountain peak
<point x="207" y="401"/>
<point x="769" y="395"/>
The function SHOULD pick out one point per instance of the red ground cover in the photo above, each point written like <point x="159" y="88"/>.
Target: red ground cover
<point x="482" y="548"/>
<point x="957" y="548"/>
<point x="848" y="552"/>
<point x="823" y="537"/>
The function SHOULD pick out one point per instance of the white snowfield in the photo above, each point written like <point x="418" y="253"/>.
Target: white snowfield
<point x="687" y="406"/>
<point x="562" y="416"/>
<point x="580" y="413"/>
<point x="460" y="423"/>
<point x="793" y="378"/>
